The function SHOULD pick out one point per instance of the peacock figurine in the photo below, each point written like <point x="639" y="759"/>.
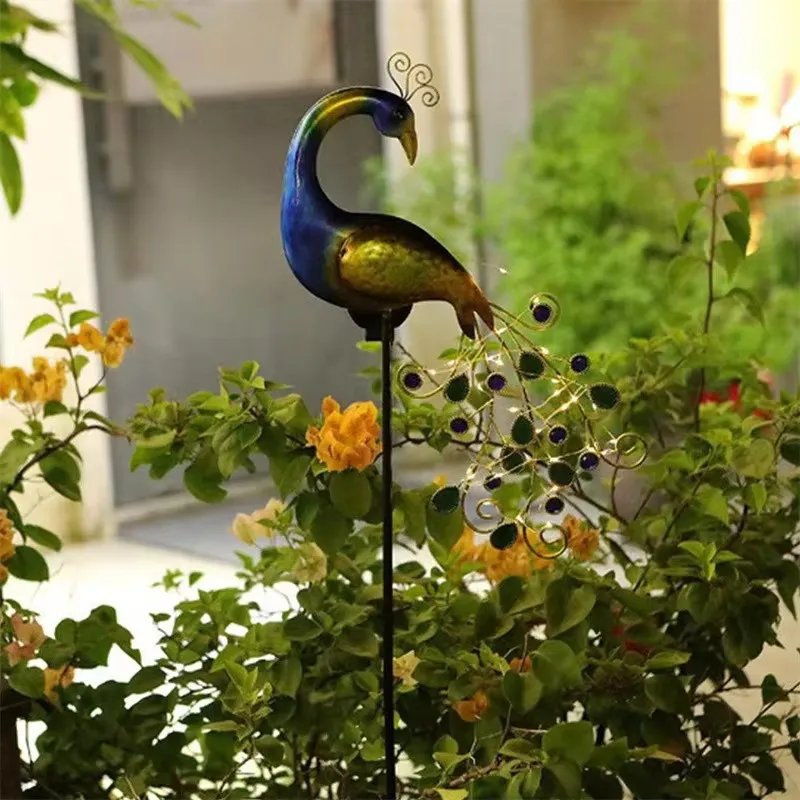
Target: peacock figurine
<point x="369" y="264"/>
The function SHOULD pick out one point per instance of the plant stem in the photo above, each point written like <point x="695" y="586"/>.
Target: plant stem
<point x="712" y="250"/>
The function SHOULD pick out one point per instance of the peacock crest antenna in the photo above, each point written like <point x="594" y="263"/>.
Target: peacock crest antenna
<point x="412" y="78"/>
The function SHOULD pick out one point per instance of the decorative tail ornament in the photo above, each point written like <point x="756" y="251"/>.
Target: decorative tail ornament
<point x="525" y="414"/>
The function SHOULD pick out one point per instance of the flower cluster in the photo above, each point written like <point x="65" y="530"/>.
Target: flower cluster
<point x="7" y="547"/>
<point x="28" y="638"/>
<point x="472" y="709"/>
<point x="45" y="382"/>
<point x="519" y="560"/>
<point x="112" y="346"/>
<point x="347" y="439"/>
<point x="260" y="524"/>
<point x="312" y="564"/>
<point x="403" y="668"/>
<point x="733" y="396"/>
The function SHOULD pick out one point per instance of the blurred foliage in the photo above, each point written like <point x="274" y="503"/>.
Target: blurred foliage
<point x="22" y="76"/>
<point x="583" y="213"/>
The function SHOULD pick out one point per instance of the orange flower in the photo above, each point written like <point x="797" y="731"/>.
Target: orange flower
<point x="48" y="381"/>
<point x="582" y="539"/>
<point x="348" y="439"/>
<point x="89" y="338"/>
<point x="516" y="560"/>
<point x="3" y="574"/>
<point x="57" y="678"/>
<point x="13" y="380"/>
<point x="7" y="547"/>
<point x="523" y="665"/>
<point x="471" y="710"/>
<point x="118" y="340"/>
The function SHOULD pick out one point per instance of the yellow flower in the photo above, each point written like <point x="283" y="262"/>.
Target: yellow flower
<point x="471" y="710"/>
<point x="440" y="481"/>
<point x="312" y="564"/>
<point x="249" y="527"/>
<point x="348" y="439"/>
<point x="8" y="383"/>
<point x="48" y="381"/>
<point x="6" y="528"/>
<point x="118" y="340"/>
<point x="13" y="380"/>
<point x="582" y="539"/>
<point x="7" y="548"/>
<point x="61" y="677"/>
<point x="498" y="564"/>
<point x="403" y="668"/>
<point x="89" y="338"/>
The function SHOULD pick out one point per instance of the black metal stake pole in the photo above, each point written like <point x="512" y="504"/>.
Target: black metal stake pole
<point x="387" y="336"/>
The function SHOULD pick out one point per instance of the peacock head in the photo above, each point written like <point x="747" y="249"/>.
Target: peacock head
<point x="394" y="117"/>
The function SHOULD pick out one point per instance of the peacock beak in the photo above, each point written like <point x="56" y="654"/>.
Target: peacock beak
<point x="408" y="138"/>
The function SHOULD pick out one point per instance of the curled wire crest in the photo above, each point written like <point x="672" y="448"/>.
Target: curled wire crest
<point x="412" y="78"/>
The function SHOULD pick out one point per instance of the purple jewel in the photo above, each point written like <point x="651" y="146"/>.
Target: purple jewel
<point x="459" y="425"/>
<point x="554" y="505"/>
<point x="496" y="382"/>
<point x="558" y="434"/>
<point x="589" y="460"/>
<point x="542" y="312"/>
<point x="579" y="362"/>
<point x="412" y="380"/>
<point x="492" y="482"/>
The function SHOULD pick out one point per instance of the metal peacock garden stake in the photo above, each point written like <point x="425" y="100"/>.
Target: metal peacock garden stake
<point x="548" y="428"/>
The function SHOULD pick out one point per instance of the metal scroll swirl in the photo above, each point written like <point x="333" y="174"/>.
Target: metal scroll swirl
<point x="523" y="413"/>
<point x="412" y="78"/>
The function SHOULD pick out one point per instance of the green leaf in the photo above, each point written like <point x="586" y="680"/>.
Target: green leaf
<point x="729" y="255"/>
<point x="222" y="726"/>
<point x="741" y="200"/>
<point x="27" y="564"/>
<point x="288" y="674"/>
<point x="358" y="642"/>
<point x="289" y="470"/>
<point x="13" y="457"/>
<point x="682" y="268"/>
<point x="351" y="493"/>
<point x="146" y="679"/>
<point x="568" y="776"/>
<point x="756" y="460"/>
<point x="39" y="322"/>
<point x="755" y="496"/>
<point x="666" y="692"/>
<point x="793" y="725"/>
<point x="523" y="785"/>
<point x="82" y="315"/>
<point x="452" y="794"/>
<point x="738" y="226"/>
<point x="168" y="89"/>
<point x="272" y="750"/>
<point x="28" y="681"/>
<point x="329" y="528"/>
<point x="43" y="537"/>
<point x="25" y="90"/>
<point x="566" y="607"/>
<point x="713" y="502"/>
<point x="790" y="451"/>
<point x="301" y="629"/>
<point x="610" y="756"/>
<point x="772" y="691"/>
<point x="445" y="529"/>
<point x="701" y="184"/>
<point x="10" y="173"/>
<point x="686" y="213"/>
<point x="202" y="478"/>
<point x="159" y="441"/>
<point x="61" y="473"/>
<point x="520" y="749"/>
<point x="573" y="741"/>
<point x="522" y="689"/>
<point x="556" y="665"/>
<point x="667" y="659"/>
<point x="748" y="301"/>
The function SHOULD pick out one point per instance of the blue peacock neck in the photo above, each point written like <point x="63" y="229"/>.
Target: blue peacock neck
<point x="300" y="181"/>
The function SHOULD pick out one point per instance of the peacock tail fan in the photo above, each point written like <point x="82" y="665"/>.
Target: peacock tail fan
<point x="536" y="426"/>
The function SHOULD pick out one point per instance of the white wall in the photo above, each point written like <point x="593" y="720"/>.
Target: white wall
<point x="49" y="242"/>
